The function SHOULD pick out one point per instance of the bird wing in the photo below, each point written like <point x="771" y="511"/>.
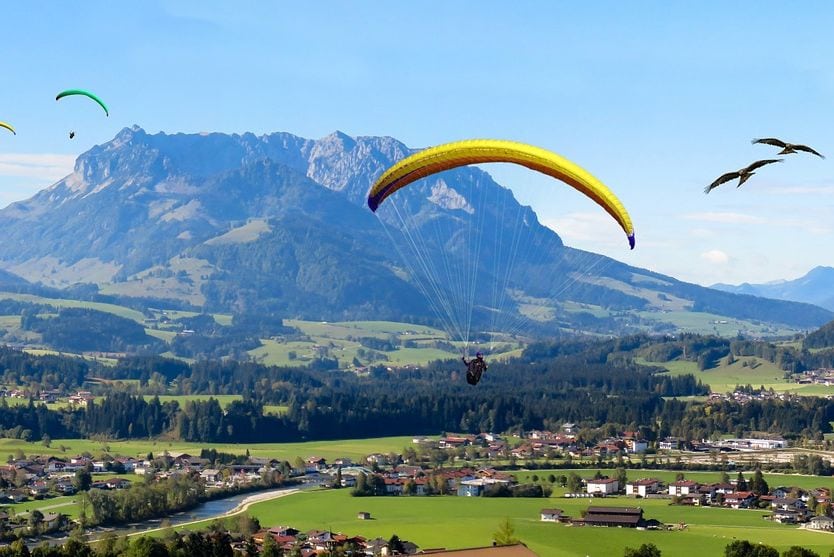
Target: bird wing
<point x="761" y="163"/>
<point x="722" y="179"/>
<point x="770" y="141"/>
<point x="807" y="150"/>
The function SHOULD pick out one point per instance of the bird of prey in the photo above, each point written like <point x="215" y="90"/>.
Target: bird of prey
<point x="787" y="148"/>
<point x="743" y="174"/>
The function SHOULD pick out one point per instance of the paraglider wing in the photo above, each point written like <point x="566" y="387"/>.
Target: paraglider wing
<point x="70" y="92"/>
<point x="476" y="151"/>
<point x="8" y="127"/>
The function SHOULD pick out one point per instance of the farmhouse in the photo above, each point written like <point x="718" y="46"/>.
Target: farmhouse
<point x="821" y="523"/>
<point x="551" y="515"/>
<point x="625" y="517"/>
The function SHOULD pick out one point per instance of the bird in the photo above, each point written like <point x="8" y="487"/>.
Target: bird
<point x="742" y="174"/>
<point x="787" y="148"/>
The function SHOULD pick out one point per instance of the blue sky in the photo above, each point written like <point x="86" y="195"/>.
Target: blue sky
<point x="655" y="98"/>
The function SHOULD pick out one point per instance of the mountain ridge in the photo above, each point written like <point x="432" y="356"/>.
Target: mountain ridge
<point x="144" y="214"/>
<point x="815" y="287"/>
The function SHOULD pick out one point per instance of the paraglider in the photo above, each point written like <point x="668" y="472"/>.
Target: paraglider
<point x="742" y="174"/>
<point x="474" y="368"/>
<point x="476" y="151"/>
<point x="787" y="148"/>
<point x="8" y="127"/>
<point x="479" y="258"/>
<point x="73" y="92"/>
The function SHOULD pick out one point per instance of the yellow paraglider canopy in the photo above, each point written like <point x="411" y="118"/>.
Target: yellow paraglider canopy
<point x="476" y="151"/>
<point x="8" y="127"/>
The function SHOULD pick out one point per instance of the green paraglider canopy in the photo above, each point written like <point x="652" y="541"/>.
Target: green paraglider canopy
<point x="70" y="92"/>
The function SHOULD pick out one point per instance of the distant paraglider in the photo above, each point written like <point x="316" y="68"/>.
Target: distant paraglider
<point x="742" y="174"/>
<point x="787" y="148"/>
<point x="72" y="92"/>
<point x="8" y="127"/>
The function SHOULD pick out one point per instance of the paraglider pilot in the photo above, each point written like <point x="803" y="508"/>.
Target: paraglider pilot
<point x="474" y="368"/>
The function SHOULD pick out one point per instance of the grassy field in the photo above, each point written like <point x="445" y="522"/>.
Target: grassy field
<point x="121" y="311"/>
<point x="758" y="372"/>
<point x="666" y="476"/>
<point x="456" y="522"/>
<point x="709" y="323"/>
<point x="329" y="450"/>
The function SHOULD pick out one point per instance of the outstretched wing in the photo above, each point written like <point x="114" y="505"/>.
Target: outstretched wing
<point x="761" y="163"/>
<point x="807" y="150"/>
<point x="770" y="141"/>
<point x="721" y="180"/>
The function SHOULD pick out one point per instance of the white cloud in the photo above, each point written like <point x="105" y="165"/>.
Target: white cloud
<point x="716" y="257"/>
<point x="48" y="167"/>
<point x="593" y="229"/>
<point x="725" y="217"/>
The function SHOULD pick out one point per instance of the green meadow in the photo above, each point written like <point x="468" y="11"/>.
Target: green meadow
<point x="329" y="450"/>
<point x="666" y="476"/>
<point x="458" y="522"/>
<point x="757" y="372"/>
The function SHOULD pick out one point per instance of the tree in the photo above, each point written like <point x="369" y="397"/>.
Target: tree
<point x="796" y="551"/>
<point x="395" y="545"/>
<point x="743" y="548"/>
<point x="574" y="483"/>
<point x="270" y="548"/>
<point x="645" y="550"/>
<point x="741" y="483"/>
<point x="758" y="485"/>
<point x="83" y="480"/>
<point x="505" y="535"/>
<point x="622" y="478"/>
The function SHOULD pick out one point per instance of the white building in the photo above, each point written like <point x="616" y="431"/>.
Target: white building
<point x="643" y="487"/>
<point x="604" y="487"/>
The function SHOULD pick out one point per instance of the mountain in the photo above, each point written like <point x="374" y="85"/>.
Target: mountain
<point x="277" y="223"/>
<point x="816" y="287"/>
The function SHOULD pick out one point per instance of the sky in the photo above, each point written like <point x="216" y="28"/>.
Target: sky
<point x="655" y="98"/>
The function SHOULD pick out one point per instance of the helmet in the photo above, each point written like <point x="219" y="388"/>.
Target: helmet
<point x="478" y="354"/>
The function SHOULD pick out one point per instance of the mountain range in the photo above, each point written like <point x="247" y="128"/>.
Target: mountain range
<point x="816" y="287"/>
<point x="277" y="223"/>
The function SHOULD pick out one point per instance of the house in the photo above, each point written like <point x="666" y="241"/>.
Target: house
<point x="314" y="464"/>
<point x="636" y="446"/>
<point x="821" y="523"/>
<point x="628" y="517"/>
<point x="739" y="499"/>
<point x="362" y="515"/>
<point x="683" y="487"/>
<point x="117" y="483"/>
<point x="605" y="486"/>
<point x="785" y="517"/>
<point x="550" y="515"/>
<point x="643" y="487"/>
<point x="210" y="476"/>
<point x="692" y="500"/>
<point x="475" y="487"/>
<point x="669" y="444"/>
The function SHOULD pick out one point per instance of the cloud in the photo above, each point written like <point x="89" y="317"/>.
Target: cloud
<point x="725" y="217"/>
<point x="47" y="167"/>
<point x="591" y="228"/>
<point x="715" y="257"/>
